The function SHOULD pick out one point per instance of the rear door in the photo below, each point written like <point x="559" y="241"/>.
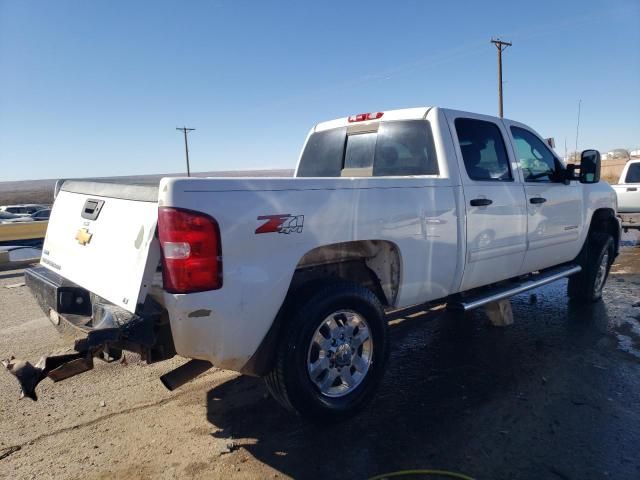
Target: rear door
<point x="102" y="237"/>
<point x="555" y="219"/>
<point x="628" y="191"/>
<point x="494" y="198"/>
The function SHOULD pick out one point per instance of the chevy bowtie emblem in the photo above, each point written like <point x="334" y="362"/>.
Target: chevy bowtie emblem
<point x="83" y="236"/>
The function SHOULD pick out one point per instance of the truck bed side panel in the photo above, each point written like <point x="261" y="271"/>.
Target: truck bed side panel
<point x="417" y="215"/>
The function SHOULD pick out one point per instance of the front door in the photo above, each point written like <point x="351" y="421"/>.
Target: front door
<point x="494" y="197"/>
<point x="554" y="208"/>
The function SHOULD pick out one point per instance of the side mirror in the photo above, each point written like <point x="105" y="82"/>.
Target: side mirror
<point x="590" y="166"/>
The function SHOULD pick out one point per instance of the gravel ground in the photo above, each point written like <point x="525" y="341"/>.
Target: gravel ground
<point x="556" y="395"/>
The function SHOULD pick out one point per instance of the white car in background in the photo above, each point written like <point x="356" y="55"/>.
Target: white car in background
<point x="23" y="210"/>
<point x="6" y="217"/>
<point x="39" y="216"/>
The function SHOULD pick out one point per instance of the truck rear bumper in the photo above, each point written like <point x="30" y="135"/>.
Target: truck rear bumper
<point x="630" y="220"/>
<point x="101" y="330"/>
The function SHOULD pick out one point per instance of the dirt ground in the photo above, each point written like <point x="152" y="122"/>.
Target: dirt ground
<point x="556" y="395"/>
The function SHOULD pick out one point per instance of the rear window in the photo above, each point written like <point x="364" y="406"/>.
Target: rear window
<point x="401" y="148"/>
<point x="323" y="154"/>
<point x="633" y="173"/>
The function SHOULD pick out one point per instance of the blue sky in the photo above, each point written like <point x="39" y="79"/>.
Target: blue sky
<point x="97" y="88"/>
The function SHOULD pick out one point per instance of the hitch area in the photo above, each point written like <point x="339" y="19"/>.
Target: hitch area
<point x="105" y="330"/>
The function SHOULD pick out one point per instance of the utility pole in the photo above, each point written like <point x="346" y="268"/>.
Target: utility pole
<point x="578" y="124"/>
<point x="186" y="130"/>
<point x="500" y="45"/>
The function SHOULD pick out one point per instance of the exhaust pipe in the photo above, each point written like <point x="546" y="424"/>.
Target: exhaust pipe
<point x="184" y="373"/>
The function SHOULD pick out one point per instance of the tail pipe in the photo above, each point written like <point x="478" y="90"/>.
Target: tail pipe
<point x="184" y="373"/>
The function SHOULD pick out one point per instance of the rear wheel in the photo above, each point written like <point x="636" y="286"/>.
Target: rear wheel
<point x="332" y="354"/>
<point x="595" y="260"/>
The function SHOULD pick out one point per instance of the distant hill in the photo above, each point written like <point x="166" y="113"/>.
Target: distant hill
<point x="41" y="191"/>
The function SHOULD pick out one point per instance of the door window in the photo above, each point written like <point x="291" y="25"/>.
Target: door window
<point x="633" y="173"/>
<point x="537" y="161"/>
<point x="483" y="150"/>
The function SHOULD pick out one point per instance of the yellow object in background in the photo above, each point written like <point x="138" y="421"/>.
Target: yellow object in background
<point x="22" y="231"/>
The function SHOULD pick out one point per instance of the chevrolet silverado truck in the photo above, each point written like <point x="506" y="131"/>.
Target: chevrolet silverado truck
<point x="294" y="279"/>
<point x="628" y="192"/>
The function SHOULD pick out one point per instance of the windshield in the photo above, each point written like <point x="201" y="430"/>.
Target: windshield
<point x="400" y="148"/>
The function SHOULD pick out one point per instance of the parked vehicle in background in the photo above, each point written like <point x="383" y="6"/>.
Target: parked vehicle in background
<point x="22" y="210"/>
<point x="39" y="216"/>
<point x="628" y="192"/>
<point x="291" y="279"/>
<point x="7" y="217"/>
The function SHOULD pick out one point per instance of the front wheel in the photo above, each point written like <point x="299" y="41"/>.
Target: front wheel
<point x="332" y="354"/>
<point x="596" y="260"/>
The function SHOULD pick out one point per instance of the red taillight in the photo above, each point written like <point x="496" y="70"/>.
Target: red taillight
<point x="191" y="251"/>
<point x="361" y="117"/>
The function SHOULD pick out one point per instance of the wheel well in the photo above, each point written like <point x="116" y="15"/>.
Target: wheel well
<point x="374" y="264"/>
<point x="604" y="220"/>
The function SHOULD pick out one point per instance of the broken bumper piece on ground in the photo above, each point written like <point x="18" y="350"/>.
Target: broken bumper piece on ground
<point x="105" y="331"/>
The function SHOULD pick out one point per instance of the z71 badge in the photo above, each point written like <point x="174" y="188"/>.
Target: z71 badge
<point x="284" y="223"/>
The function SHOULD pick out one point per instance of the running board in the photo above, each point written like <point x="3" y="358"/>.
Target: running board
<point x="493" y="294"/>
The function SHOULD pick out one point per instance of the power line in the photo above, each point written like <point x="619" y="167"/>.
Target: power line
<point x="185" y="130"/>
<point x="501" y="46"/>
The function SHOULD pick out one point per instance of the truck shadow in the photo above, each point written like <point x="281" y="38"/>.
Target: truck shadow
<point x="447" y="377"/>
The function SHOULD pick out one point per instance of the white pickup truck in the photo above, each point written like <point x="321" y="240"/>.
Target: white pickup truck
<point x="293" y="278"/>
<point x="628" y="192"/>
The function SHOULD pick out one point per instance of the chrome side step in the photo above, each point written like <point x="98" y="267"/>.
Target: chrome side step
<point x="500" y="292"/>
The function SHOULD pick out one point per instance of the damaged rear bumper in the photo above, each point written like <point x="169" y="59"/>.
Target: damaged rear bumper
<point x="629" y="220"/>
<point x="102" y="330"/>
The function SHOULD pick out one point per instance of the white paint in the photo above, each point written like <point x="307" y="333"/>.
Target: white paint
<point x="109" y="265"/>
<point x="628" y="193"/>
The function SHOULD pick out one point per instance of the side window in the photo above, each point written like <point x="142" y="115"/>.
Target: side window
<point x="633" y="173"/>
<point x="405" y="148"/>
<point x="483" y="150"/>
<point x="537" y="161"/>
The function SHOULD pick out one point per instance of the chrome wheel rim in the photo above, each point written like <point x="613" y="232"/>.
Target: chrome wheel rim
<point x="601" y="274"/>
<point x="340" y="353"/>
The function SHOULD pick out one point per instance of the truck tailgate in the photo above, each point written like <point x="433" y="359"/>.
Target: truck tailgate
<point x="101" y="236"/>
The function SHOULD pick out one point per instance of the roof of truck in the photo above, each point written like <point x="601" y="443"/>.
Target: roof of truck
<point x="400" y="114"/>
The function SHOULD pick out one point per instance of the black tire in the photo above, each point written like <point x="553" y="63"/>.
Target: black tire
<point x="585" y="286"/>
<point x="289" y="381"/>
